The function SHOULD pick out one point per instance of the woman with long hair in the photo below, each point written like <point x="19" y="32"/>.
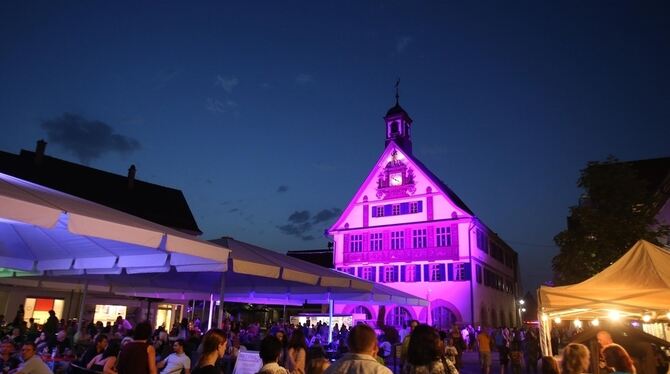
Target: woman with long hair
<point x="296" y="357"/>
<point x="281" y="336"/>
<point x="138" y="356"/>
<point x="213" y="348"/>
<point x="105" y="362"/>
<point x="618" y="359"/>
<point x="575" y="359"/>
<point x="425" y="353"/>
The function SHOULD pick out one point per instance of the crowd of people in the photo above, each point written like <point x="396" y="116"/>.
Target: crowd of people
<point x="124" y="348"/>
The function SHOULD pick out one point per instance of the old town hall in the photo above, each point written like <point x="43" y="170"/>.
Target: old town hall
<point x="407" y="229"/>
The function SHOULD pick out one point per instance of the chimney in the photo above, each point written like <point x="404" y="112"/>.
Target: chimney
<point x="39" y="151"/>
<point x="131" y="177"/>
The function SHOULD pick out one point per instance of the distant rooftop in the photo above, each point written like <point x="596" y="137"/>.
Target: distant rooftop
<point x="163" y="205"/>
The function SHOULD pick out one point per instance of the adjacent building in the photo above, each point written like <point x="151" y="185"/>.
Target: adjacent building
<point x="407" y="229"/>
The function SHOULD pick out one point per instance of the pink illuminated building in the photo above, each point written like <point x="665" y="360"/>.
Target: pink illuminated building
<point x="405" y="228"/>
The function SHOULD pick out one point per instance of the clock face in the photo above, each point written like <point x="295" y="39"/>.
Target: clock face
<point x="395" y="179"/>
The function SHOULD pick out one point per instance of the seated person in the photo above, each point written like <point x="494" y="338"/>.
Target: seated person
<point x="269" y="352"/>
<point x="105" y="361"/>
<point x="8" y="360"/>
<point x="100" y="345"/>
<point x="177" y="361"/>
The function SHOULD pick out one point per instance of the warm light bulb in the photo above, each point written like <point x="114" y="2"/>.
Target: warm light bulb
<point x="646" y="318"/>
<point x="595" y="322"/>
<point x="578" y="324"/>
<point x="545" y="317"/>
<point x="557" y="319"/>
<point x="667" y="315"/>
<point x="614" y="315"/>
<point x="522" y="301"/>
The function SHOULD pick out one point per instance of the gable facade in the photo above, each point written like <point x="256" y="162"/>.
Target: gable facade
<point x="407" y="229"/>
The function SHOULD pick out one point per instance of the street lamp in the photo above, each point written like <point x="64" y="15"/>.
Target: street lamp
<point x="521" y="310"/>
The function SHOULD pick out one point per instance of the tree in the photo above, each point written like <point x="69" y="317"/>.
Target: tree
<point x="615" y="212"/>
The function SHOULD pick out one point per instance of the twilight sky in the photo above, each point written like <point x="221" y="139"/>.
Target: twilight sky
<point x="268" y="115"/>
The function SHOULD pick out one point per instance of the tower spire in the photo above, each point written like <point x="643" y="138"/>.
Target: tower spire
<point x="397" y="91"/>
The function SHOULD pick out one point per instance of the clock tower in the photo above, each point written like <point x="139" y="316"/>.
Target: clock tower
<point x="399" y="127"/>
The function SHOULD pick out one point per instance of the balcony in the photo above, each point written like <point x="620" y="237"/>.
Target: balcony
<point x="404" y="255"/>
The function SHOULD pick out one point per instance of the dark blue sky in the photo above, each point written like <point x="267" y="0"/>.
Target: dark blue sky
<point x="268" y="114"/>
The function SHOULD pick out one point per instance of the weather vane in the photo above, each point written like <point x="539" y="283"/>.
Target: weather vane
<point x="397" y="89"/>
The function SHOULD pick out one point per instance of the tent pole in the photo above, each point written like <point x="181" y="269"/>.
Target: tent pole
<point x="330" y="319"/>
<point x="193" y="310"/>
<point x="81" y="306"/>
<point x="211" y="310"/>
<point x="219" y="320"/>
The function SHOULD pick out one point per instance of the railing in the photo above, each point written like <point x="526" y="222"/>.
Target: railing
<point x="407" y="255"/>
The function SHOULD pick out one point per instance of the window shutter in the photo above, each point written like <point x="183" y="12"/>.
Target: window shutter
<point x="388" y="210"/>
<point x="380" y="275"/>
<point x="454" y="235"/>
<point x="420" y="206"/>
<point x="442" y="272"/>
<point x="395" y="273"/>
<point x="450" y="268"/>
<point x="426" y="273"/>
<point x="374" y="211"/>
<point x="402" y="272"/>
<point x="360" y="272"/>
<point x="430" y="237"/>
<point x="468" y="271"/>
<point x="404" y="208"/>
<point x="346" y="243"/>
<point x="417" y="273"/>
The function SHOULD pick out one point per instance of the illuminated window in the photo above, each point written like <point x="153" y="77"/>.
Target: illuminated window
<point x="443" y="237"/>
<point x="108" y="313"/>
<point x="398" y="316"/>
<point x="443" y="318"/>
<point x="363" y="310"/>
<point x="356" y="243"/>
<point x="376" y="241"/>
<point x="419" y="238"/>
<point x="397" y="240"/>
<point x="395" y="209"/>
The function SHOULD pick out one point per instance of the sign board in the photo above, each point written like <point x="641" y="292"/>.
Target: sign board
<point x="248" y="362"/>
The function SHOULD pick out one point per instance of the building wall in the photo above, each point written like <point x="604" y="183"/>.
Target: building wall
<point x="437" y="210"/>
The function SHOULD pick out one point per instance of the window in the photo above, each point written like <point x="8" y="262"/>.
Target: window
<point x="363" y="310"/>
<point x="368" y="273"/>
<point x="479" y="274"/>
<point x="348" y="270"/>
<point x="398" y="316"/>
<point x="395" y="209"/>
<point x="356" y="243"/>
<point x="443" y="237"/>
<point x="443" y="318"/>
<point x="376" y="241"/>
<point x="419" y="238"/>
<point x="460" y="272"/>
<point x="482" y="242"/>
<point x="379" y="210"/>
<point x="412" y="273"/>
<point x="434" y="272"/>
<point x="414" y="207"/>
<point x="390" y="274"/>
<point x="397" y="240"/>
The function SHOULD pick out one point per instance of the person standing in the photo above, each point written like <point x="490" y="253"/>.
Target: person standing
<point x="270" y="350"/>
<point x="575" y="359"/>
<point x="214" y="345"/>
<point x="296" y="357"/>
<point x="425" y="353"/>
<point x="138" y="356"/>
<point x="484" y="342"/>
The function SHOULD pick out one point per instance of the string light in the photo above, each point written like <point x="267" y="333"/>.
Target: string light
<point x="595" y="322"/>
<point x="545" y="317"/>
<point x="578" y="324"/>
<point x="646" y="318"/>
<point x="557" y="319"/>
<point x="667" y="315"/>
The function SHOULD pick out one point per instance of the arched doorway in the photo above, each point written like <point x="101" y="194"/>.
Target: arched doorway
<point x="398" y="317"/>
<point x="443" y="318"/>
<point x="363" y="310"/>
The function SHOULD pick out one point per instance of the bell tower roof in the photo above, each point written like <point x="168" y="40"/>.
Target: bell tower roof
<point x="398" y="125"/>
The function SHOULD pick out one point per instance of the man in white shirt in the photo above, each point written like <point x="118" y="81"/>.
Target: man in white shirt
<point x="177" y="361"/>
<point x="32" y="363"/>
<point x="361" y="358"/>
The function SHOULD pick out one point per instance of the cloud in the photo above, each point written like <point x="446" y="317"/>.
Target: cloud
<point x="299" y="216"/>
<point x="282" y="188"/>
<point x="87" y="139"/>
<point x="326" y="215"/>
<point x="304" y="79"/>
<point x="402" y="43"/>
<point x="227" y="83"/>
<point x="303" y="225"/>
<point x="219" y="106"/>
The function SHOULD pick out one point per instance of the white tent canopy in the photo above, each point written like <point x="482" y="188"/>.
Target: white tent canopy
<point x="46" y="230"/>
<point x="635" y="285"/>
